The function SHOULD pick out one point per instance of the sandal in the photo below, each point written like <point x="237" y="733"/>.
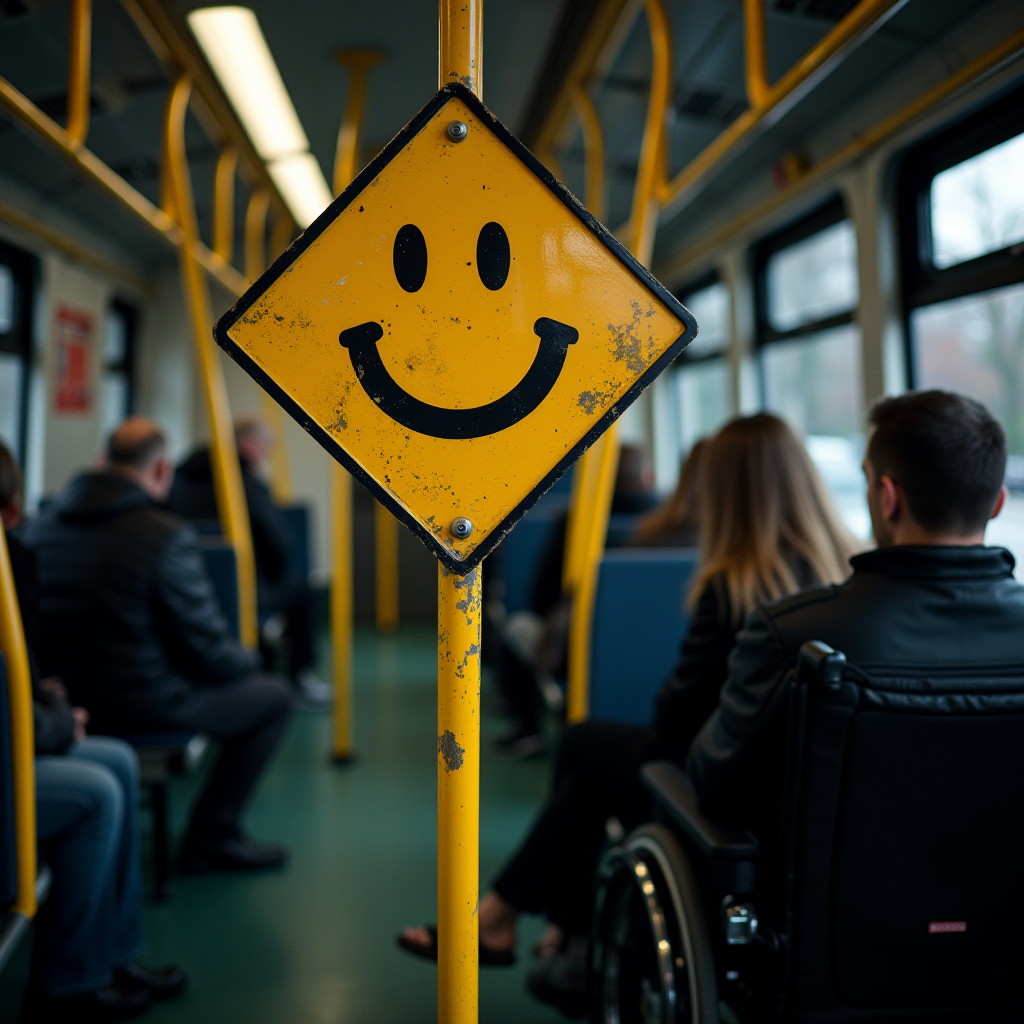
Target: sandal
<point x="488" y="957"/>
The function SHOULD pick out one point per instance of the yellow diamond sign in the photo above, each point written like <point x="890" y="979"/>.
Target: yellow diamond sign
<point x="455" y="328"/>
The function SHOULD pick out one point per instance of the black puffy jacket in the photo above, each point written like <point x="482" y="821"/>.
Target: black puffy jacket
<point x="127" y="615"/>
<point x="906" y="610"/>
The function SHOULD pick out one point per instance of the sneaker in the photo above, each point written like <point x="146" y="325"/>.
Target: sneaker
<point x="560" y="980"/>
<point x="520" y="745"/>
<point x="101" y="1006"/>
<point x="312" y="692"/>
<point x="161" y="982"/>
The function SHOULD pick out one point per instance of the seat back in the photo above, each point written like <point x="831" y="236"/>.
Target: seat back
<point x="906" y="846"/>
<point x="639" y="621"/>
<point x="8" y="845"/>
<point x="297" y="518"/>
<point x="222" y="568"/>
<point x="519" y="555"/>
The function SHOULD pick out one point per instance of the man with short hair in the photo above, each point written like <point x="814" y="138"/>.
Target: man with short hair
<point x="129" y="620"/>
<point x="284" y="597"/>
<point x="930" y="596"/>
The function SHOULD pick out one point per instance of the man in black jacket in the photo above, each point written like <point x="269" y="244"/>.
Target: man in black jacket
<point x="129" y="620"/>
<point x="281" y="593"/>
<point x="930" y="596"/>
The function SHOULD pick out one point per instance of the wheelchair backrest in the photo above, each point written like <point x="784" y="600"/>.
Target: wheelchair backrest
<point x="906" y="849"/>
<point x="640" y="619"/>
<point x="8" y="847"/>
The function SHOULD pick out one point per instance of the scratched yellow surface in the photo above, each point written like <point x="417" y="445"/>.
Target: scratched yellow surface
<point x="453" y="343"/>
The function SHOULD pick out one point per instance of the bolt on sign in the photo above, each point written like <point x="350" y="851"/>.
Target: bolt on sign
<point x="455" y="328"/>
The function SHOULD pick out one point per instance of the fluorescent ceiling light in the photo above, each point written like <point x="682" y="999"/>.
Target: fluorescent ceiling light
<point x="299" y="179"/>
<point x="237" y="50"/>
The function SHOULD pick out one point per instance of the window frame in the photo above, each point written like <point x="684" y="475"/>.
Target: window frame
<point x="697" y="284"/>
<point x="126" y="365"/>
<point x="24" y="269"/>
<point x="831" y="212"/>
<point x="922" y="283"/>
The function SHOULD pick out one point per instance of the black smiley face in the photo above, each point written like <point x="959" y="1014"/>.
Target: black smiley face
<point x="493" y="257"/>
<point x="493" y="261"/>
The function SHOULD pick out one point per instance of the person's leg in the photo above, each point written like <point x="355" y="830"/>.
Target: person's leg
<point x="79" y="818"/>
<point x="595" y="778"/>
<point x="247" y="718"/>
<point x="127" y="940"/>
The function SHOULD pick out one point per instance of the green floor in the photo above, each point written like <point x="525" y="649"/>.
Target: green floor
<point x="315" y="943"/>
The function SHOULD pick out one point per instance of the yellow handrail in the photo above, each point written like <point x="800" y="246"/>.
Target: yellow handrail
<point x="755" y="52"/>
<point x="590" y="520"/>
<point x="19" y="698"/>
<point x="227" y="475"/>
<point x="866" y="18"/>
<point x="1007" y="50"/>
<point x="346" y="156"/>
<point x="79" y="53"/>
<point x="593" y="152"/>
<point x="224" y="204"/>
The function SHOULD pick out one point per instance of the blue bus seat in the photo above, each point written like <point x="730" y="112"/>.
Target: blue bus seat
<point x="221" y="567"/>
<point x="519" y="555"/>
<point x="640" y="619"/>
<point x="298" y="520"/>
<point x="206" y="527"/>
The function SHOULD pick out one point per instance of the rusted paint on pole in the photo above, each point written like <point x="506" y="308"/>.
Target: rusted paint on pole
<point x="460" y="58"/>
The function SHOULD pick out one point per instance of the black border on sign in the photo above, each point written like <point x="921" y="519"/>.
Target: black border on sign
<point x="454" y="90"/>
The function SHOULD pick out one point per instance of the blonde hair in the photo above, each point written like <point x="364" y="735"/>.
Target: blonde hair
<point x="765" y="512"/>
<point x="682" y="510"/>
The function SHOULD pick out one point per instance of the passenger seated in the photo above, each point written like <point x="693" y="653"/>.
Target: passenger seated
<point x="129" y="620"/>
<point x="533" y="644"/>
<point x="768" y="529"/>
<point x="676" y="522"/>
<point x="931" y="597"/>
<point x="279" y="592"/>
<point x="89" y="933"/>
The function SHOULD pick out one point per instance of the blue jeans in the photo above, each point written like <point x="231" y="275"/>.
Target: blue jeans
<point x="87" y="824"/>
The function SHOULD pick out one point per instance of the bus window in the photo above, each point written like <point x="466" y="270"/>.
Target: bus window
<point x="15" y="346"/>
<point x="703" y="380"/>
<point x="118" y="350"/>
<point x="807" y="290"/>
<point x="961" y="238"/>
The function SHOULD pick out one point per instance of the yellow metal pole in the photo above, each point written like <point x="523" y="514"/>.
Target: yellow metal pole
<point x="458" y="794"/>
<point x="346" y="155"/>
<point x="755" y="52"/>
<point x="460" y="58"/>
<point x="256" y="234"/>
<point x="385" y="537"/>
<point x="227" y="475"/>
<point x="79" y="53"/>
<point x="224" y="204"/>
<point x="19" y="698"/>
<point x="605" y="455"/>
<point x="599" y="465"/>
<point x="281" y="233"/>
<point x="593" y="151"/>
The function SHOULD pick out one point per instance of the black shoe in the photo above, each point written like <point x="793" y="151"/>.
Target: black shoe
<point x="101" y="1006"/>
<point x="235" y="854"/>
<point x="560" y="980"/>
<point x="163" y="983"/>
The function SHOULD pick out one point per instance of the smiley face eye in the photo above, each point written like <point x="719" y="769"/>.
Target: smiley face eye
<point x="410" y="257"/>
<point x="493" y="257"/>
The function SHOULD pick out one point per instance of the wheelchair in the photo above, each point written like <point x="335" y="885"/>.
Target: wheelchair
<point x="895" y="892"/>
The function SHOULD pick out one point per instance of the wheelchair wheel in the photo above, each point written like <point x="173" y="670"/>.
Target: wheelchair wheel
<point x="651" y="956"/>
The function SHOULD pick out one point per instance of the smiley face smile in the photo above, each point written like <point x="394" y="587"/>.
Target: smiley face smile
<point x="493" y="263"/>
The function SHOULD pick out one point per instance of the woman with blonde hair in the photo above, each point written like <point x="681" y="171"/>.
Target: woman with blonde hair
<point x="768" y="529"/>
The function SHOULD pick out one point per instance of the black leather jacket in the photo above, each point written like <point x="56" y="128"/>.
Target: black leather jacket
<point x="127" y="615"/>
<point x="904" y="610"/>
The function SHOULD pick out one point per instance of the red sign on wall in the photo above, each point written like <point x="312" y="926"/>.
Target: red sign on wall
<point x="72" y="377"/>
